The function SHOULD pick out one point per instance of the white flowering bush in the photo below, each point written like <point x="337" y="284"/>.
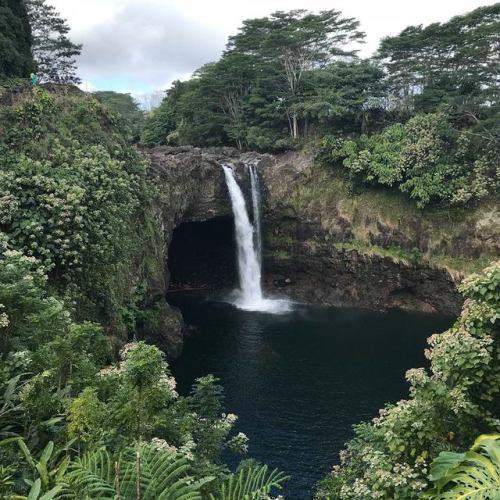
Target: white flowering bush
<point x="71" y="192"/>
<point x="449" y="405"/>
<point x="39" y="341"/>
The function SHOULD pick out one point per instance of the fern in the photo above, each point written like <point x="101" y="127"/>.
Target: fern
<point x="474" y="475"/>
<point x="252" y="482"/>
<point x="141" y="472"/>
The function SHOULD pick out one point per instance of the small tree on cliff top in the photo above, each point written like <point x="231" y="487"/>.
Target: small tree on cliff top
<point x="52" y="49"/>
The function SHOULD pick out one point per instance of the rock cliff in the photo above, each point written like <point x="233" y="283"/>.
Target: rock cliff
<point x="323" y="243"/>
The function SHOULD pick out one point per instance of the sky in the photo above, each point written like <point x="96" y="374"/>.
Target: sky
<point x="142" y="46"/>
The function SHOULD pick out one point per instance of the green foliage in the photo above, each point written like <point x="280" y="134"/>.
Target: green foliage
<point x="38" y="336"/>
<point x="15" y="40"/>
<point x="420" y="117"/>
<point x="70" y="153"/>
<point x="82" y="194"/>
<point x="139" y="472"/>
<point x="47" y="471"/>
<point x="448" y="406"/>
<point x="126" y="107"/>
<point x="426" y="158"/>
<point x="474" y="474"/>
<point x="454" y="62"/>
<point x="250" y="482"/>
<point x="55" y="54"/>
<point x="276" y="77"/>
<point x="53" y="392"/>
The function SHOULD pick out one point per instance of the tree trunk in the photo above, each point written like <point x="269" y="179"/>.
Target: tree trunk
<point x="295" y="133"/>
<point x="138" y="472"/>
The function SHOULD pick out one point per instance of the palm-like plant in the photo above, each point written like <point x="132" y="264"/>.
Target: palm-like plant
<point x="474" y="475"/>
<point x="10" y="409"/>
<point x="139" y="473"/>
<point x="48" y="471"/>
<point x="252" y="482"/>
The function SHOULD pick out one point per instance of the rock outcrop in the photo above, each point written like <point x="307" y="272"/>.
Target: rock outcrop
<point x="323" y="243"/>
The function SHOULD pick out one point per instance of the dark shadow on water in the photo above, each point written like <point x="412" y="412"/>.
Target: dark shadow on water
<point x="299" y="381"/>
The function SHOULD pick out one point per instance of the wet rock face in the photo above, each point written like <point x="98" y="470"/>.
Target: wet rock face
<point x="304" y="219"/>
<point x="348" y="279"/>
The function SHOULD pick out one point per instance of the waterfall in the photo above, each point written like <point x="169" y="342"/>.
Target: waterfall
<point x="249" y="247"/>
<point x="255" y="186"/>
<point x="248" y="261"/>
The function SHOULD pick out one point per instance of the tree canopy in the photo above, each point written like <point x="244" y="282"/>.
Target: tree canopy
<point x="55" y="54"/>
<point x="15" y="40"/>
<point x="428" y="99"/>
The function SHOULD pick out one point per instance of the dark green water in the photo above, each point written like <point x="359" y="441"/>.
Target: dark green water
<point x="299" y="381"/>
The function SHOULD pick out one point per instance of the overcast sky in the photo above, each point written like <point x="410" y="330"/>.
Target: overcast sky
<point x="143" y="45"/>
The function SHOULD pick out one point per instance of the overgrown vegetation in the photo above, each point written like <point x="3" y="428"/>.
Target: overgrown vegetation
<point x="125" y="106"/>
<point x="79" y="429"/>
<point x="72" y="190"/>
<point x="450" y="404"/>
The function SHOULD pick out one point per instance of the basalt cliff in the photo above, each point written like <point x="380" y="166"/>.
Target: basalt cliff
<point x="323" y="243"/>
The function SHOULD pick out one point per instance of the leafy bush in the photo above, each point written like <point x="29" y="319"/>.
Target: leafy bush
<point x="474" y="474"/>
<point x="448" y="406"/>
<point x="426" y="158"/>
<point x="74" y="194"/>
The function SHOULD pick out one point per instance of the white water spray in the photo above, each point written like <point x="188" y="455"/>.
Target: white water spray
<point x="249" y="247"/>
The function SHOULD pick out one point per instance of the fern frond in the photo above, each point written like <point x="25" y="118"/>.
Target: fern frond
<point x="250" y="483"/>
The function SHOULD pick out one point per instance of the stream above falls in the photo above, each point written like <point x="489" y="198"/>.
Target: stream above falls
<point x="299" y="381"/>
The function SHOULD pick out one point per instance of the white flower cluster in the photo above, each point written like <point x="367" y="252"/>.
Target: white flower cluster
<point x="187" y="449"/>
<point x="20" y="359"/>
<point x="162" y="445"/>
<point x="239" y="443"/>
<point x="226" y="422"/>
<point x="109" y="371"/>
<point x="4" y="319"/>
<point x="170" y="383"/>
<point x="126" y="349"/>
<point x="381" y="480"/>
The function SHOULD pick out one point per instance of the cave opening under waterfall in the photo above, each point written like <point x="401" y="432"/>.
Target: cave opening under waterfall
<point x="202" y="255"/>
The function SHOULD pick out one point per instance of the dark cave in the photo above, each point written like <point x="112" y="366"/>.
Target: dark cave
<point x="202" y="255"/>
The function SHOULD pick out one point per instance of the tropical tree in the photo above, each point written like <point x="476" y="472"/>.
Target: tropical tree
<point x="294" y="43"/>
<point x="126" y="107"/>
<point x="456" y="62"/>
<point x="55" y="54"/>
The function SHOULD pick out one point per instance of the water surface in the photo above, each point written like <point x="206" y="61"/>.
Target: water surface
<point x="299" y="381"/>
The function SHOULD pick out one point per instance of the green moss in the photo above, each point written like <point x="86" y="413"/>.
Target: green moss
<point x="279" y="241"/>
<point x="328" y="194"/>
<point x="278" y="254"/>
<point x="395" y="253"/>
<point x="457" y="266"/>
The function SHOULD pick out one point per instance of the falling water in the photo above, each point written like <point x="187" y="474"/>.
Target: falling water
<point x="248" y="243"/>
<point x="254" y="182"/>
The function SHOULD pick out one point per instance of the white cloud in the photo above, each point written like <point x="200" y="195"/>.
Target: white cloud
<point x="142" y="44"/>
